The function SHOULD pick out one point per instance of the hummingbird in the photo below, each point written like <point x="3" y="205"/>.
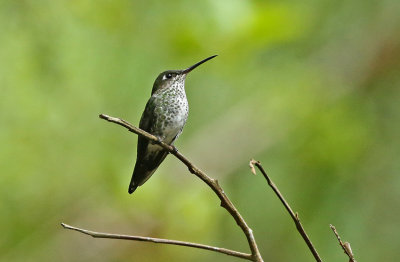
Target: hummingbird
<point x="164" y="116"/>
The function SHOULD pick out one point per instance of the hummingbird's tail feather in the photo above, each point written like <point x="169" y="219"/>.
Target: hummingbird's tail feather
<point x="139" y="176"/>
<point x="144" y="170"/>
<point x="132" y="188"/>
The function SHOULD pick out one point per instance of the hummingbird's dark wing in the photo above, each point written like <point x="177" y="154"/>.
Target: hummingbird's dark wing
<point x="149" y="155"/>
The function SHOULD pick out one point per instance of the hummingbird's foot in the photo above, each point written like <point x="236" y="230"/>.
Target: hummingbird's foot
<point x="174" y="149"/>
<point x="159" y="141"/>
<point x="191" y="170"/>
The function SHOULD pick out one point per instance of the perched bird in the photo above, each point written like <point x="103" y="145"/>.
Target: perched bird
<point x="165" y="115"/>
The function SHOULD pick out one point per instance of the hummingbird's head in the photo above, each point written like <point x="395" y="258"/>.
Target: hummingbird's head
<point x="171" y="78"/>
<point x="168" y="79"/>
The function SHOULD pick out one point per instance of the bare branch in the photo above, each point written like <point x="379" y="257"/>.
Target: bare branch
<point x="212" y="183"/>
<point x="159" y="241"/>
<point x="295" y="216"/>
<point x="346" y="245"/>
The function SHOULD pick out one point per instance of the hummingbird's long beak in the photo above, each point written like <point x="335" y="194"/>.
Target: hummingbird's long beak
<point x="187" y="70"/>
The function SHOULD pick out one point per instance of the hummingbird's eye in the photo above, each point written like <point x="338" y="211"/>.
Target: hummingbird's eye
<point x="167" y="76"/>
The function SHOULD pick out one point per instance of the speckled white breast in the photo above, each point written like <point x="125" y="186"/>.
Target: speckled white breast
<point x="171" y="113"/>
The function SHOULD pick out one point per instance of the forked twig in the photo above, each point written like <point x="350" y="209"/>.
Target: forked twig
<point x="212" y="183"/>
<point x="295" y="216"/>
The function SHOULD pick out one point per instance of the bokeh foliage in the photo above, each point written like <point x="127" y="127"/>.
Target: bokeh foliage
<point x="310" y="88"/>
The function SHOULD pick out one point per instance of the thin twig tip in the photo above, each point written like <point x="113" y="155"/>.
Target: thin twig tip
<point x="252" y="168"/>
<point x="346" y="245"/>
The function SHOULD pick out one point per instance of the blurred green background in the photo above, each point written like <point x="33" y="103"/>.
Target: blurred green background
<point x="309" y="88"/>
